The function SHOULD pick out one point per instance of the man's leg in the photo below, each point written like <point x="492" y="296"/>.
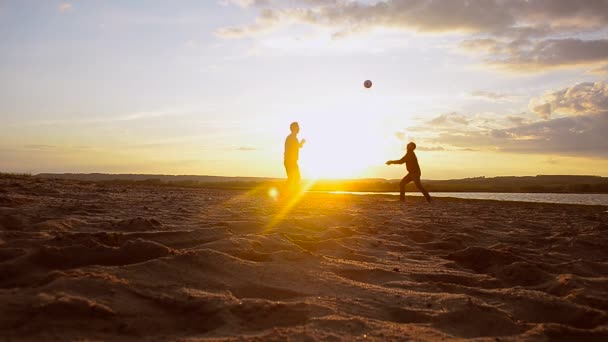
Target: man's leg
<point x="422" y="189"/>
<point x="289" y="171"/>
<point x="404" y="181"/>
<point x="296" y="177"/>
<point x="296" y="174"/>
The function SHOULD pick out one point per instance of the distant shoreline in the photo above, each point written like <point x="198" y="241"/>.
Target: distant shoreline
<point x="600" y="200"/>
<point x="555" y="184"/>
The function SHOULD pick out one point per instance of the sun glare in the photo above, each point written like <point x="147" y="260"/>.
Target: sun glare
<point x="273" y="193"/>
<point x="332" y="152"/>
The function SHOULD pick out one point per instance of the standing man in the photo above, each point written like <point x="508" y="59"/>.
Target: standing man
<point x="292" y="153"/>
<point x="413" y="169"/>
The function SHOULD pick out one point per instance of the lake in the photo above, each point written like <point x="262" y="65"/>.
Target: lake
<point x="587" y="199"/>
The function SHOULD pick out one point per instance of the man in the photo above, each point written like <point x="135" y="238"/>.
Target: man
<point x="292" y="153"/>
<point x="413" y="169"/>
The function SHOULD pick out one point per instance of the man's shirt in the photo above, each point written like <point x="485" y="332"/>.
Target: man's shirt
<point x="411" y="162"/>
<point x="292" y="149"/>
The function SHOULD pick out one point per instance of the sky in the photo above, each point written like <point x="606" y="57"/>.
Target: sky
<point x="484" y="88"/>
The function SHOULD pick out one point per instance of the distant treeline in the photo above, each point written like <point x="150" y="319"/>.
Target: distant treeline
<point x="554" y="184"/>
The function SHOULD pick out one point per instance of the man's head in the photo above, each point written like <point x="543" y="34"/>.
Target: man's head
<point x="411" y="146"/>
<point x="294" y="127"/>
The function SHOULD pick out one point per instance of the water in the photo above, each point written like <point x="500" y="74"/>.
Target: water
<point x="587" y="199"/>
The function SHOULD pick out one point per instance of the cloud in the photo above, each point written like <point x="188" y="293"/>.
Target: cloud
<point x="400" y="136"/>
<point x="602" y="70"/>
<point x="109" y="119"/>
<point x="496" y="17"/>
<point x="417" y="15"/>
<point x="265" y="22"/>
<point x="490" y="95"/>
<point x="148" y="115"/>
<point x="517" y="120"/>
<point x="246" y="3"/>
<point x="64" y="7"/>
<point x="430" y="148"/>
<point x="580" y="130"/>
<point x="582" y="135"/>
<point x="449" y="119"/>
<point x="549" y="53"/>
<point x="579" y="135"/>
<point x="522" y="35"/>
<point x="583" y="98"/>
<point x="481" y="45"/>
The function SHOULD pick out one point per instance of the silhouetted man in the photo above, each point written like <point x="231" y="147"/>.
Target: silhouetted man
<point x="413" y="169"/>
<point x="292" y="153"/>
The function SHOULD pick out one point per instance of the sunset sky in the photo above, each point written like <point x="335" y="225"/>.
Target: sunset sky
<point x="485" y="88"/>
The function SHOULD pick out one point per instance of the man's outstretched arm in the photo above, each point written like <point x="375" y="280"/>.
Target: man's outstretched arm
<point x="400" y="161"/>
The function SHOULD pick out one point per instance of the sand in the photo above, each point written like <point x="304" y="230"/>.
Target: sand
<point x="84" y="261"/>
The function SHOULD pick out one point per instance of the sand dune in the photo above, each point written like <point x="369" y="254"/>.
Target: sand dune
<point x="107" y="262"/>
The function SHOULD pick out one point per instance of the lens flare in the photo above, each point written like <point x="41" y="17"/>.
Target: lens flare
<point x="289" y="203"/>
<point x="273" y="193"/>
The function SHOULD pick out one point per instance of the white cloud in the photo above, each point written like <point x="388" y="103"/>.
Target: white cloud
<point x="602" y="70"/>
<point x="266" y="21"/>
<point x="449" y="119"/>
<point x="490" y="95"/>
<point x="582" y="132"/>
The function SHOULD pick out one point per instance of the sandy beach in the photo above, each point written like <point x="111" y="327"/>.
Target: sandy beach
<point x="86" y="261"/>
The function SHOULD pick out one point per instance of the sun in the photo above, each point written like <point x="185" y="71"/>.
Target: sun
<point x="331" y="152"/>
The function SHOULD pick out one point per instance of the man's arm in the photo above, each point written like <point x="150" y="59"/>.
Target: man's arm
<point x="400" y="161"/>
<point x="302" y="143"/>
